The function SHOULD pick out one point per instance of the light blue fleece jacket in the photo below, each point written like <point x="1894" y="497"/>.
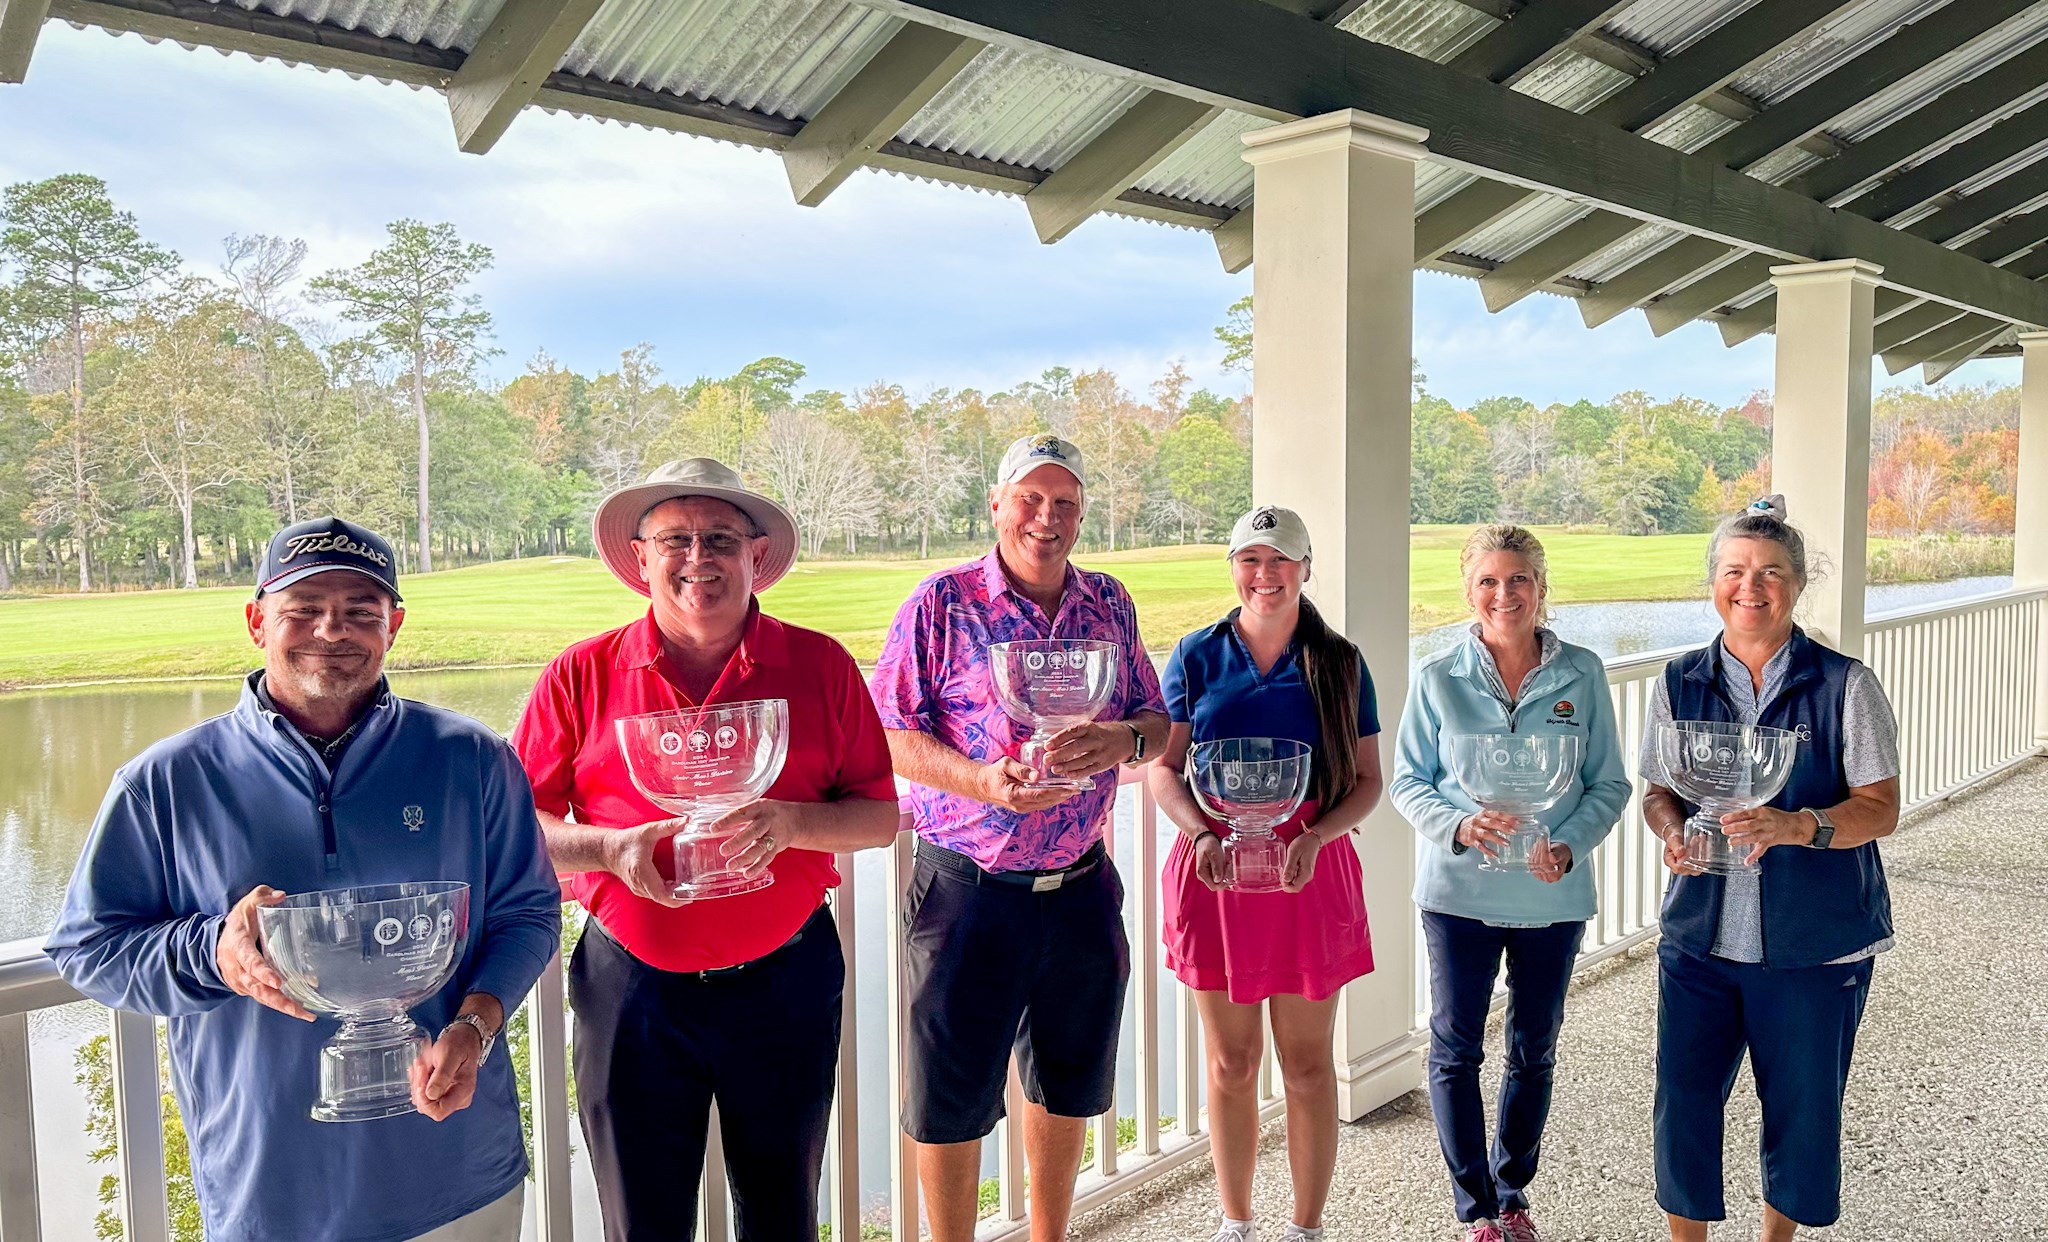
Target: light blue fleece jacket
<point x="1449" y="694"/>
<point x="199" y="819"/>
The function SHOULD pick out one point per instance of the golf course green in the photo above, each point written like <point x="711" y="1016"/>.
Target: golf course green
<point x="523" y="612"/>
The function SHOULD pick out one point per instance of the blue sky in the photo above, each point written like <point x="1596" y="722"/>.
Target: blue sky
<point x="606" y="236"/>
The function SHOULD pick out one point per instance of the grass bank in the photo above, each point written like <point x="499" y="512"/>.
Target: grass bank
<point x="523" y="612"/>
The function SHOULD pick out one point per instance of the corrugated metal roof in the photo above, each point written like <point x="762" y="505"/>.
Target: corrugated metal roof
<point x="1522" y="228"/>
<point x="1966" y="62"/>
<point x="1210" y="168"/>
<point x="1021" y="109"/>
<point x="1841" y="38"/>
<point x="1632" y="250"/>
<point x="780" y="57"/>
<point x="787" y="58"/>
<point x="435" y="23"/>
<point x="1431" y="28"/>
<point x="1436" y="182"/>
<point x="1573" y="82"/>
<point x="1690" y="128"/>
<point x="1667" y="26"/>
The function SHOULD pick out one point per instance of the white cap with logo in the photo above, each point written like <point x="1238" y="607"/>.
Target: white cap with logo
<point x="1279" y="529"/>
<point x="1028" y="453"/>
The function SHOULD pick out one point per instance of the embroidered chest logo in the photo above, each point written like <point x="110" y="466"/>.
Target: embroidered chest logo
<point x="1563" y="709"/>
<point x="1805" y="734"/>
<point x="415" y="818"/>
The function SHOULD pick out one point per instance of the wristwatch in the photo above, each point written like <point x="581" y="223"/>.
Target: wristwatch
<point x="1824" y="835"/>
<point x="1137" y="743"/>
<point x="475" y="1023"/>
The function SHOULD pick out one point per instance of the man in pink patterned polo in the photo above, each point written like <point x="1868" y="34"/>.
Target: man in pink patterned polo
<point x="1015" y="933"/>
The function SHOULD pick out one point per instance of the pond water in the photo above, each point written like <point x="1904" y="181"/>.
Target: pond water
<point x="58" y="748"/>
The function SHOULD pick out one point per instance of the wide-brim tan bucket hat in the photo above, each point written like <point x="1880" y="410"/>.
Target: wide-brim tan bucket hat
<point x="618" y="516"/>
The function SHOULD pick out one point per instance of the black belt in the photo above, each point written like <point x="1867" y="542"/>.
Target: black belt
<point x="725" y="972"/>
<point x="1037" y="881"/>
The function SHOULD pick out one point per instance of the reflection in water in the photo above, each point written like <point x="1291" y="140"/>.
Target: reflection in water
<point x="63" y="747"/>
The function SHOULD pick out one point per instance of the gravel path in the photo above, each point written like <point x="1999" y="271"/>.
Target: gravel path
<point x="1947" y="1130"/>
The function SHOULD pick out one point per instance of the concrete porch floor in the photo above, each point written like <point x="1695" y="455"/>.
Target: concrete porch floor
<point x="1947" y="1131"/>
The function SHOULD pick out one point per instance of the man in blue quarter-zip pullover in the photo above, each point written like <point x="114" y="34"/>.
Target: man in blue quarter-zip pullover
<point x="320" y="778"/>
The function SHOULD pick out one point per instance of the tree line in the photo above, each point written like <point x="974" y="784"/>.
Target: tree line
<point x="159" y="418"/>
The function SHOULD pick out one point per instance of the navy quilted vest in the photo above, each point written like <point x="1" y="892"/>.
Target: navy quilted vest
<point x="1818" y="905"/>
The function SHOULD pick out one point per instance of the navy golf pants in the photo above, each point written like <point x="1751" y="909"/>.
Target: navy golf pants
<point x="1464" y="959"/>
<point x="1799" y="1028"/>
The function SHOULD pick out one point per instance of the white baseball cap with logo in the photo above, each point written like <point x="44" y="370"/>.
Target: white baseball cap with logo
<point x="1279" y="529"/>
<point x="1028" y="453"/>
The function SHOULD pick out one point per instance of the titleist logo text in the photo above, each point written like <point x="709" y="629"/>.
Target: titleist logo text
<point x="298" y="544"/>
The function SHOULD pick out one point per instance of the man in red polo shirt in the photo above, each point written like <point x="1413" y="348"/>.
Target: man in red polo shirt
<point x="736" y="1000"/>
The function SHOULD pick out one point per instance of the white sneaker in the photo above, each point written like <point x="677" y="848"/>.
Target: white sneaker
<point x="1297" y="1233"/>
<point x="1234" y="1231"/>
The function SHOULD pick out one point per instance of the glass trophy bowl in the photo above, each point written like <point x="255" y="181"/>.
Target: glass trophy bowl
<point x="1518" y="774"/>
<point x="1721" y="768"/>
<point x="1252" y="784"/>
<point x="698" y="763"/>
<point x="367" y="955"/>
<point x="1050" y="684"/>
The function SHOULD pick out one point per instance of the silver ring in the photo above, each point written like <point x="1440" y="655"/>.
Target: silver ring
<point x="768" y="839"/>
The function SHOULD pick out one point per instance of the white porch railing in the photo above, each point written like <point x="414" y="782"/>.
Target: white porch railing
<point x="1961" y="676"/>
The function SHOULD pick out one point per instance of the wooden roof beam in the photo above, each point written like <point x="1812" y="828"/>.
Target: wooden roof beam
<point x="2000" y="246"/>
<point x="1553" y="257"/>
<point x="897" y="82"/>
<point x="1247" y="57"/>
<point x="1688" y="302"/>
<point x="21" y="21"/>
<point x="1137" y="142"/>
<point x="1808" y="111"/>
<point x="1685" y="258"/>
<point x="2010" y="193"/>
<point x="1918" y="322"/>
<point x="1938" y="369"/>
<point x="1929" y="180"/>
<point x="1965" y="331"/>
<point x="1761" y="316"/>
<point x="1679" y="82"/>
<point x="508" y="65"/>
<point x="1970" y="158"/>
<point x="1115" y="160"/>
<point x="1534" y="36"/>
<point x="1797" y="119"/>
<point x="1931" y="125"/>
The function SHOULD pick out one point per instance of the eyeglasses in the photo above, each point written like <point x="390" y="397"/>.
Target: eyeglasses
<point x="679" y="542"/>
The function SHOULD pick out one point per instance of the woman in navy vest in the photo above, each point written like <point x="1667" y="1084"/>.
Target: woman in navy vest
<point x="1777" y="964"/>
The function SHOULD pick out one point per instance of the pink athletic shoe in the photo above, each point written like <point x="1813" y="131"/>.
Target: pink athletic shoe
<point x="1516" y="1226"/>
<point x="1485" y="1231"/>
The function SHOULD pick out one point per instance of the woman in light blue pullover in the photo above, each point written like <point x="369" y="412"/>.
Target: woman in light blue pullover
<point x="1511" y="676"/>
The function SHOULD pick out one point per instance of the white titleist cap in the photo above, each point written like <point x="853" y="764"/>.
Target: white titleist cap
<point x="1028" y="453"/>
<point x="1279" y="529"/>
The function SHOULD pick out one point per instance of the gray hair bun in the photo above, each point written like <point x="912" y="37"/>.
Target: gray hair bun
<point x="1772" y="505"/>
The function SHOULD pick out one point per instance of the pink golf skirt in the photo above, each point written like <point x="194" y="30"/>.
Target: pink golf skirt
<point x="1256" y="945"/>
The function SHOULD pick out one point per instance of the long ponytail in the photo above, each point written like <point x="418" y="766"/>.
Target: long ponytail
<point x="1330" y="664"/>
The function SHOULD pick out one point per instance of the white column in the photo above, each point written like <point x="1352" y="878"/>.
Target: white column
<point x="1333" y="291"/>
<point x="2030" y="509"/>
<point x="1820" y="445"/>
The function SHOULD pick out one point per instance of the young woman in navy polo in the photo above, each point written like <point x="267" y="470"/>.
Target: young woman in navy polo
<point x="1777" y="964"/>
<point x="1272" y="668"/>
